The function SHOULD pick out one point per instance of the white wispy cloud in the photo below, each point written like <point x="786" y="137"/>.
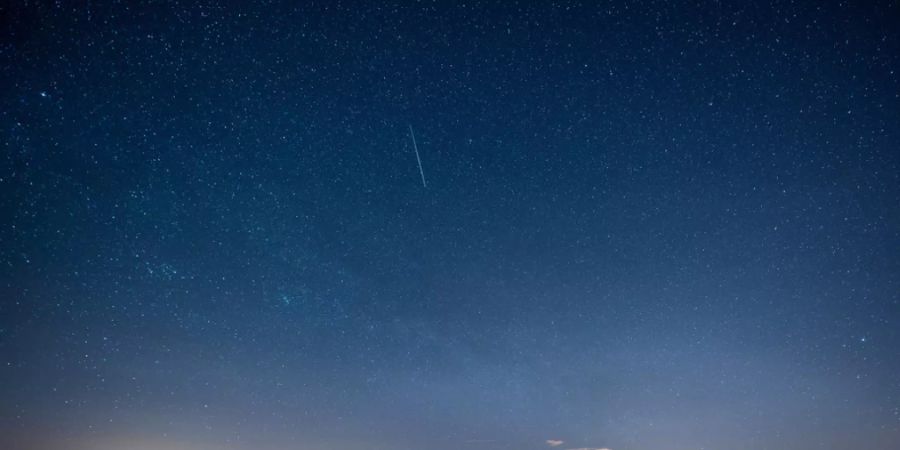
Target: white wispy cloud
<point x="554" y="442"/>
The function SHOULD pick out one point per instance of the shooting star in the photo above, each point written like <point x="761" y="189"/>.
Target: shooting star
<point x="418" y="159"/>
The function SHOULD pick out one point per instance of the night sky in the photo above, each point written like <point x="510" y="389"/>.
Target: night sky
<point x="637" y="225"/>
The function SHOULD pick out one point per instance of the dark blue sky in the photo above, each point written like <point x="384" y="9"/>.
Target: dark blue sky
<point x="647" y="225"/>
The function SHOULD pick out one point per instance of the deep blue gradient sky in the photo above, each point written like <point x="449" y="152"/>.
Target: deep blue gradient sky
<point x="647" y="225"/>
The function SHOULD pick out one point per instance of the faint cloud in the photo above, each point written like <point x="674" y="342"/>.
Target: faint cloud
<point x="554" y="442"/>
<point x="588" y="448"/>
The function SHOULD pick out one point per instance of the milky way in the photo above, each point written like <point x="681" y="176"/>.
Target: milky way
<point x="647" y="225"/>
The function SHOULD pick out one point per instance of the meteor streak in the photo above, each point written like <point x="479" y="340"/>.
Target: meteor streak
<point x="418" y="159"/>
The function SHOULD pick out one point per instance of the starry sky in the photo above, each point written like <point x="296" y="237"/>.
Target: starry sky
<point x="647" y="225"/>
